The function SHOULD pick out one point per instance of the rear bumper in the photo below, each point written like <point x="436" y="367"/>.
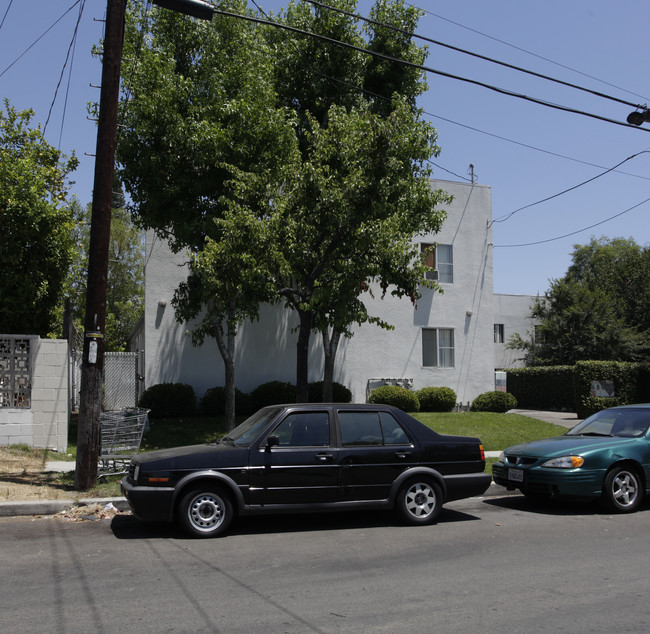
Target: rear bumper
<point x="151" y="504"/>
<point x="466" y="485"/>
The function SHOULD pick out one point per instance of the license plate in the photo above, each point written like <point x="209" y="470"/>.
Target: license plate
<point x="516" y="475"/>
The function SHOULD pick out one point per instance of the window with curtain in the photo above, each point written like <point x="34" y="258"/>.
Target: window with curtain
<point x="438" y="347"/>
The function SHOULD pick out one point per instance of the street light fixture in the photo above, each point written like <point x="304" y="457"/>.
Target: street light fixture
<point x="637" y="118"/>
<point x="195" y="8"/>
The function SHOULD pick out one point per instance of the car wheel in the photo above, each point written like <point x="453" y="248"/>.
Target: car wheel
<point x="419" y="501"/>
<point x="622" y="491"/>
<point x="205" y="512"/>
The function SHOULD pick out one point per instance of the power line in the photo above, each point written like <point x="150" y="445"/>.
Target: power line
<point x="566" y="235"/>
<point x="40" y="37"/>
<point x="4" y="17"/>
<point x="472" y="54"/>
<point x="65" y="63"/>
<point x="428" y="69"/>
<point x="523" y="50"/>
<point x="611" y="169"/>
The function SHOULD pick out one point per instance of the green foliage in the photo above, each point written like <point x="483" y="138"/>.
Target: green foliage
<point x="499" y="402"/>
<point x="599" y="310"/>
<point x="36" y="243"/>
<point x="340" y="393"/>
<point x="544" y="387"/>
<point x="213" y="402"/>
<point x="625" y="377"/>
<point x="169" y="400"/>
<point x="397" y="396"/>
<point x="125" y="280"/>
<point x="273" y="393"/>
<point x="436" y="399"/>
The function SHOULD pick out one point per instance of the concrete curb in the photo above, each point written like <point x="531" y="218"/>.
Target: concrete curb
<point x="52" y="507"/>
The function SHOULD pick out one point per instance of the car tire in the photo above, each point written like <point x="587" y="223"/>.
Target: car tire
<point x="419" y="501"/>
<point x="622" y="490"/>
<point x="205" y="511"/>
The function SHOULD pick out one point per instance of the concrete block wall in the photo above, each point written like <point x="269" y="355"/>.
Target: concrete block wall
<point x="45" y="424"/>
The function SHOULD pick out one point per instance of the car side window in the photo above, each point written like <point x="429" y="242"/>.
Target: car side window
<point x="304" y="429"/>
<point x="393" y="432"/>
<point x="370" y="428"/>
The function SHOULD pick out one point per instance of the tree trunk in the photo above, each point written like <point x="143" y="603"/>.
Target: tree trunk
<point x="302" y="356"/>
<point x="227" y="350"/>
<point x="330" y="346"/>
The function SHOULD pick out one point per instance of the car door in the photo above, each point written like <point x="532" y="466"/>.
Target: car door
<point x="302" y="468"/>
<point x="375" y="449"/>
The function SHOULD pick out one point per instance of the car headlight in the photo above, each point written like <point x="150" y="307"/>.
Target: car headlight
<point x="502" y="457"/>
<point x="565" y="462"/>
<point x="136" y="473"/>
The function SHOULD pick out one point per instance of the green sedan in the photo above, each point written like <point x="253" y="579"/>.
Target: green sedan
<point x="607" y="456"/>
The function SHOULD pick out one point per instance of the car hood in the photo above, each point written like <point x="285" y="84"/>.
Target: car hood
<point x="564" y="445"/>
<point x="191" y="456"/>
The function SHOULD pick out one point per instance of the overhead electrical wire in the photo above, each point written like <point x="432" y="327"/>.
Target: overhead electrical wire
<point x="543" y="200"/>
<point x="567" y="235"/>
<point x="472" y="54"/>
<point x="523" y="50"/>
<point x="40" y="37"/>
<point x="4" y="17"/>
<point x="428" y="69"/>
<point x="65" y="63"/>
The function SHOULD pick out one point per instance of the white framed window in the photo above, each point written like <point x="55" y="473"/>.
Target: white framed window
<point x="498" y="333"/>
<point x="438" y="347"/>
<point x="441" y="259"/>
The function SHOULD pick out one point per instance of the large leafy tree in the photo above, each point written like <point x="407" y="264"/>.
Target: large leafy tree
<point x="36" y="244"/>
<point x="203" y="156"/>
<point x="599" y="310"/>
<point x="362" y="191"/>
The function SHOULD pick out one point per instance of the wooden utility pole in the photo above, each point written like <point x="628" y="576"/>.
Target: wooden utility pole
<point x="92" y="367"/>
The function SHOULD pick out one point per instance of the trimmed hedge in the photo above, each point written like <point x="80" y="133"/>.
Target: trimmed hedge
<point x="273" y="393"/>
<point x="213" y="402"/>
<point x="395" y="395"/>
<point x="436" y="399"/>
<point x="340" y="393"/>
<point x="169" y="400"/>
<point x="499" y="402"/>
<point x="548" y="387"/>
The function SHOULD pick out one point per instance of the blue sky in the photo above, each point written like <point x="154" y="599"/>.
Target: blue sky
<point x="524" y="151"/>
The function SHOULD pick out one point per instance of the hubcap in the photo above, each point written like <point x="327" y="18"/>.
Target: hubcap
<point x="624" y="488"/>
<point x="420" y="500"/>
<point x="206" y="512"/>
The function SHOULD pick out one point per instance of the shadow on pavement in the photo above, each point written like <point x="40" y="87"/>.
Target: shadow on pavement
<point x="129" y="527"/>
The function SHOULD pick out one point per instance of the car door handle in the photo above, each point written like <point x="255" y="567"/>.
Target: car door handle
<point x="402" y="454"/>
<point x="324" y="457"/>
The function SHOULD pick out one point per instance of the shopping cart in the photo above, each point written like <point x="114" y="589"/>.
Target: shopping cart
<point x="120" y="436"/>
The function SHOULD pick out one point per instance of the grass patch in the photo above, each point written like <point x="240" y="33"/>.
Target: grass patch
<point x="496" y="431"/>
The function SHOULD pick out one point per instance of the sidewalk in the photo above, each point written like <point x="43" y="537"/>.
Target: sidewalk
<point x="52" y="507"/>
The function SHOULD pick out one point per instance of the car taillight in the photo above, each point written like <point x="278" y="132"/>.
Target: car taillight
<point x="482" y="450"/>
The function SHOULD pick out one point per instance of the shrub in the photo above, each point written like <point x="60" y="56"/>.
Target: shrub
<point x="213" y="402"/>
<point x="169" y="400"/>
<point x="436" y="399"/>
<point x="340" y="393"/>
<point x="273" y="393"/>
<point x="395" y="395"/>
<point x="499" y="402"/>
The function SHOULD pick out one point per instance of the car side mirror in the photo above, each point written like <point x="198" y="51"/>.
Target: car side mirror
<point x="272" y="441"/>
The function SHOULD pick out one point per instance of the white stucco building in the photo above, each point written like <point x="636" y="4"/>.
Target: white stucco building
<point x="448" y="339"/>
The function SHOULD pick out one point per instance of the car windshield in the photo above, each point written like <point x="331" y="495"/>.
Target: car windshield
<point x="620" y="423"/>
<point x="245" y="433"/>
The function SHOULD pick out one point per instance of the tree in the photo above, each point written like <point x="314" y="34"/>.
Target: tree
<point x="599" y="310"/>
<point x="362" y="192"/>
<point x="203" y="156"/>
<point x="36" y="223"/>
<point x="125" y="281"/>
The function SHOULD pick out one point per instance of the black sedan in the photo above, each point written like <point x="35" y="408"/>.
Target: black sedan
<point x="308" y="458"/>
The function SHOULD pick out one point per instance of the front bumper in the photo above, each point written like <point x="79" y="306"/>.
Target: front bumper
<point x="548" y="481"/>
<point x="151" y="504"/>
